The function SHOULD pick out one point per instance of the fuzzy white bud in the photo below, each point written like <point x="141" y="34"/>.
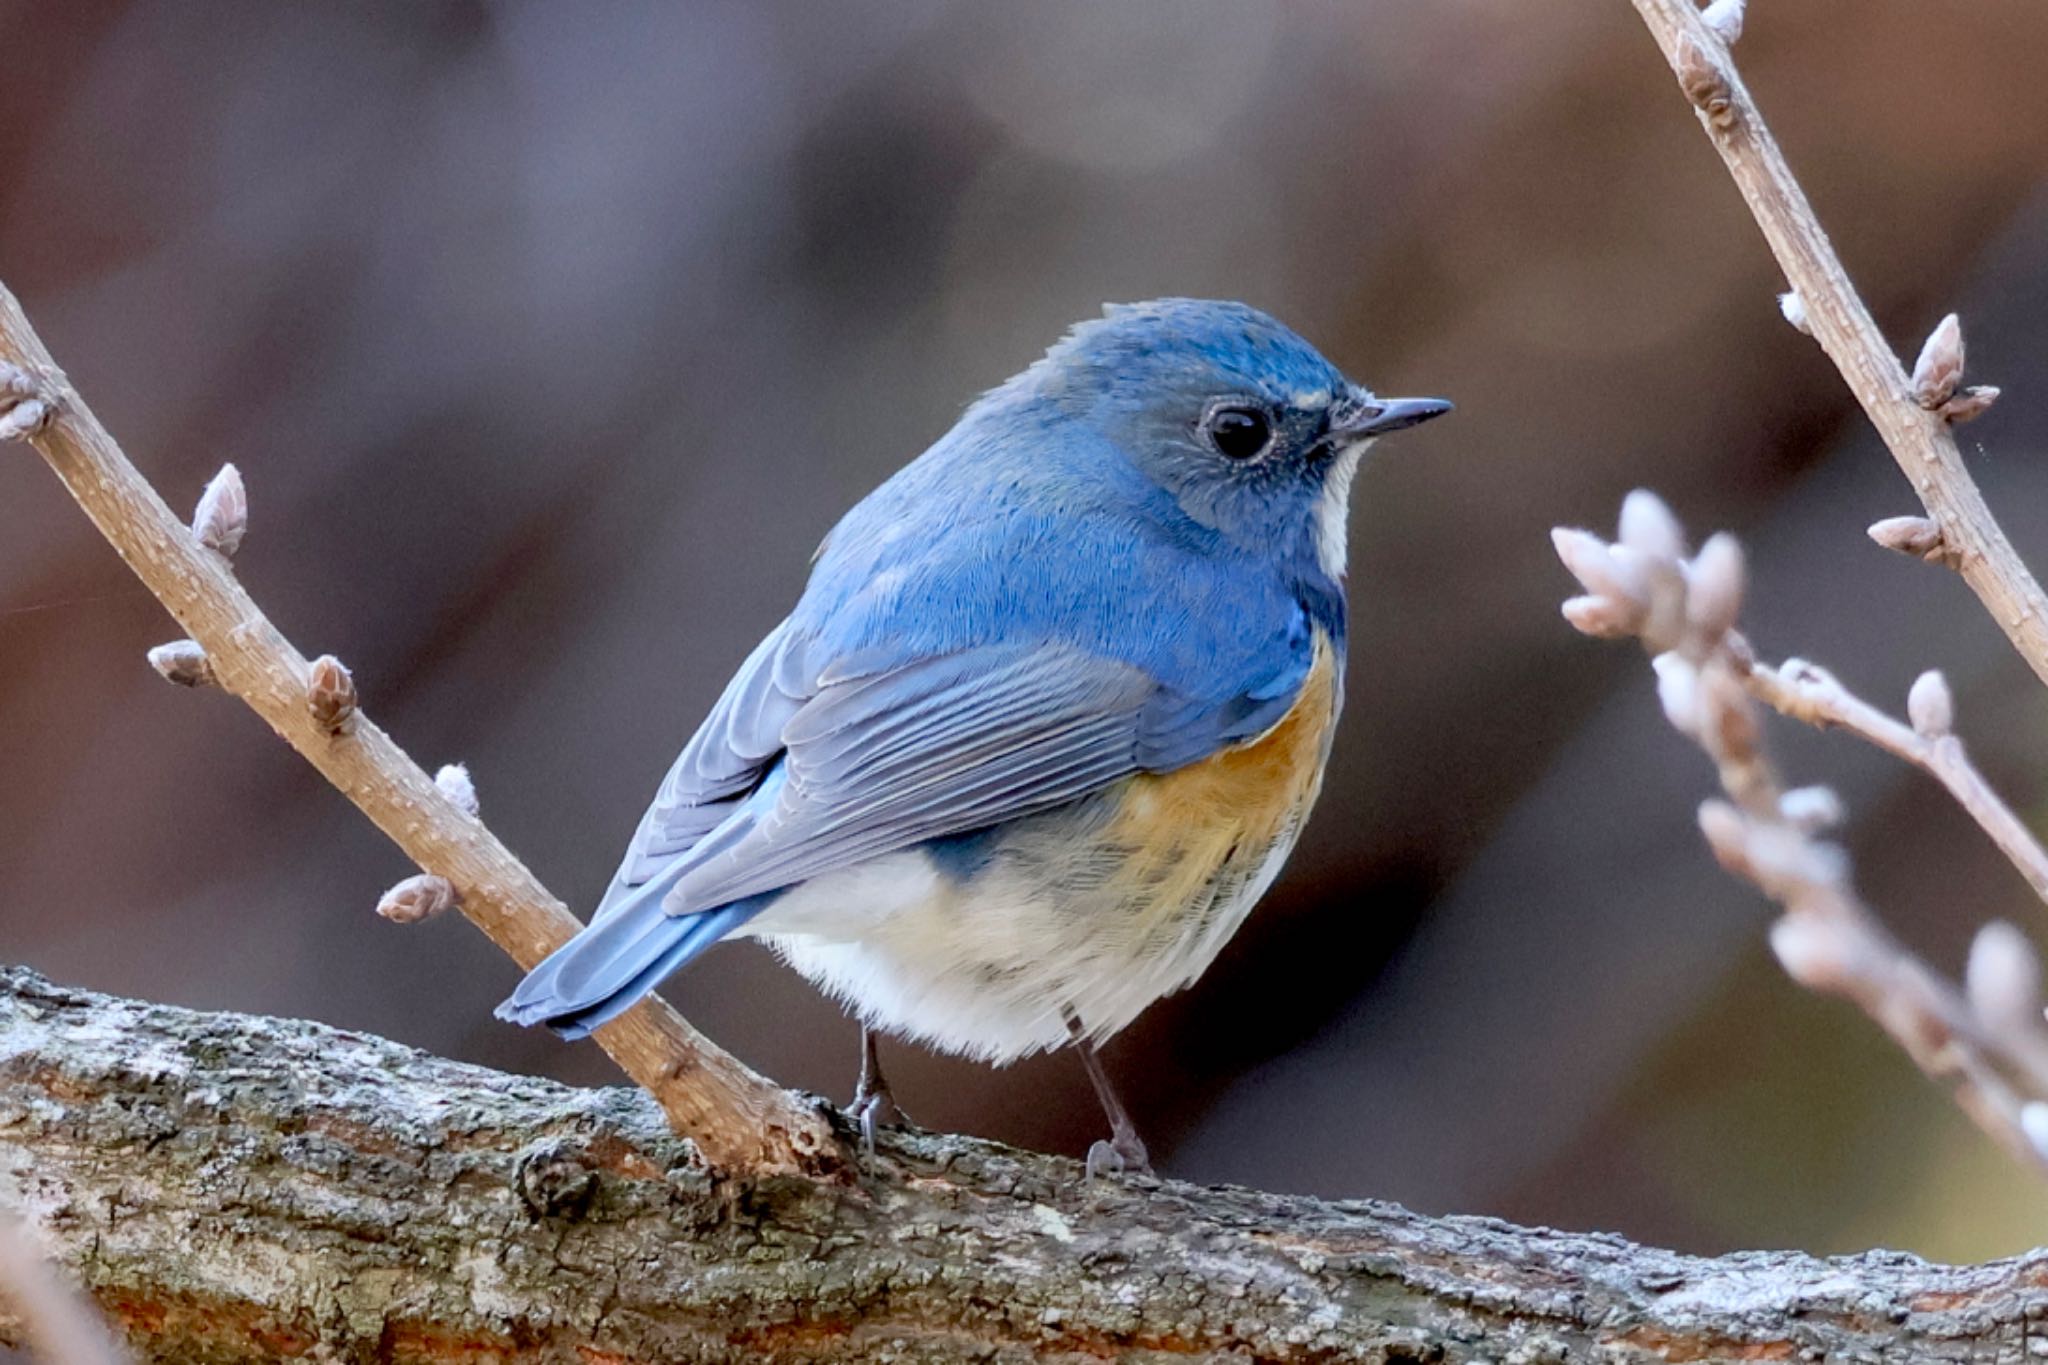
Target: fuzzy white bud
<point x="1908" y="535"/>
<point x="1599" y="570"/>
<point x="1714" y="581"/>
<point x="1817" y="953"/>
<point x="456" y="784"/>
<point x="1811" y="809"/>
<point x="1794" y="309"/>
<point x="417" y="898"/>
<point x="183" y="662"/>
<point x="2003" y="979"/>
<point x="1649" y="528"/>
<point x="1603" y="618"/>
<point x="1724" y="17"/>
<point x="1678" y="691"/>
<point x="1930" y="706"/>
<point x="222" y="517"/>
<point x="1940" y="367"/>
<point x="2034" y="1123"/>
<point x="1727" y="834"/>
<point x="23" y="408"/>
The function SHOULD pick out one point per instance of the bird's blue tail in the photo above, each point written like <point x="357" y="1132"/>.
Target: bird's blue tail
<point x="627" y="952"/>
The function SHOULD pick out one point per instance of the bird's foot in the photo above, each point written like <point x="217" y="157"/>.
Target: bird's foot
<point x="873" y="1107"/>
<point x="1120" y="1154"/>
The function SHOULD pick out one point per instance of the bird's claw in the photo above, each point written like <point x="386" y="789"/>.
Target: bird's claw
<point x="873" y="1108"/>
<point x="1122" y="1154"/>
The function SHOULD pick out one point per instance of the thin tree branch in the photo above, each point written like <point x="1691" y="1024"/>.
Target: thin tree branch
<point x="1807" y="692"/>
<point x="1986" y="1043"/>
<point x="314" y="1194"/>
<point x="1913" y="418"/>
<point x="742" y="1121"/>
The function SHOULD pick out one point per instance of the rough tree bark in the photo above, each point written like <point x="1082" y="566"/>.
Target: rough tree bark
<point x="232" y="1188"/>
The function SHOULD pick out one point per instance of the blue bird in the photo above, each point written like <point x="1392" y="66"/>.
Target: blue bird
<point x="1044" y="724"/>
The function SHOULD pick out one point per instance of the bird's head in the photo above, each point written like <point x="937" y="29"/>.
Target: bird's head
<point x="1246" y="426"/>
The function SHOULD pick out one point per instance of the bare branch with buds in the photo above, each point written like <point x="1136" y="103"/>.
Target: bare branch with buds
<point x="739" y="1120"/>
<point x="1986" y="1042"/>
<point x="1913" y="413"/>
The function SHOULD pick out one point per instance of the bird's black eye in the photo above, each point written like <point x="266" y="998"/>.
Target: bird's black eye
<point x="1239" y="433"/>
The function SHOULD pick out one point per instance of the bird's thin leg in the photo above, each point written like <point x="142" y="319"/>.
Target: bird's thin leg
<point x="1124" y="1151"/>
<point x="872" y="1102"/>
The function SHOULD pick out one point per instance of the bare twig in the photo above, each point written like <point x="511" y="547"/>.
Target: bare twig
<point x="1808" y="692"/>
<point x="1987" y="1044"/>
<point x="1828" y="307"/>
<point x="741" y="1121"/>
<point x="56" y="1324"/>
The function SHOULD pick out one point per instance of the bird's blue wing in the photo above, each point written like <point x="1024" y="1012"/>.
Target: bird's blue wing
<point x="732" y="751"/>
<point x="945" y="745"/>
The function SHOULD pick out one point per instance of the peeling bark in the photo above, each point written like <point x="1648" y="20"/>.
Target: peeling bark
<point x="232" y="1188"/>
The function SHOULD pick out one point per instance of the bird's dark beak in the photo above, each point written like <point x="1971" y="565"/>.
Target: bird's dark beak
<point x="1369" y="416"/>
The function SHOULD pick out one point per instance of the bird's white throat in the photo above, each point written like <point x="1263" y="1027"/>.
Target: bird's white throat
<point x="1333" y="511"/>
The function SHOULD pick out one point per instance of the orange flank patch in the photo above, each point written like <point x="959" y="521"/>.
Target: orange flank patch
<point x="1200" y="833"/>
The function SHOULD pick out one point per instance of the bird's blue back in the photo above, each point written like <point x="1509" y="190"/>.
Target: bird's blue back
<point x="1029" y="520"/>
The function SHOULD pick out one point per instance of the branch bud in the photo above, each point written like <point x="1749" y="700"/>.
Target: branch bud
<point x="1817" y="953"/>
<point x="331" y="695"/>
<point x="1600" y="617"/>
<point x="1794" y="309"/>
<point x="1714" y="582"/>
<point x="1602" y="572"/>
<point x="418" y="898"/>
<point x="1649" y="528"/>
<point x="1678" y="691"/>
<point x="222" y="517"/>
<point x="1972" y="402"/>
<point x="1727" y="834"/>
<point x="1705" y="84"/>
<point x="1940" y="367"/>
<point x="1909" y="536"/>
<point x="1930" y="705"/>
<point x="2034" y="1123"/>
<point x="1811" y="810"/>
<point x="454" y="781"/>
<point x="183" y="662"/>
<point x="2003" y="979"/>
<point x="1724" y="17"/>
<point x="23" y="409"/>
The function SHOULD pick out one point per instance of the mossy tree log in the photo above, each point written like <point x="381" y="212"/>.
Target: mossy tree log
<point x="230" y="1188"/>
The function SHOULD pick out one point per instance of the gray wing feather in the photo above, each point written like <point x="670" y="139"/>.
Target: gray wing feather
<point x="724" y="761"/>
<point x="939" y="746"/>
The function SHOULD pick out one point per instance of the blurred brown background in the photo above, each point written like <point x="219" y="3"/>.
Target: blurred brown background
<point x="551" y="337"/>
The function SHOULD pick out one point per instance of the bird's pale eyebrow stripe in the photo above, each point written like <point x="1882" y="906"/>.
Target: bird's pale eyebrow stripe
<point x="1311" y="398"/>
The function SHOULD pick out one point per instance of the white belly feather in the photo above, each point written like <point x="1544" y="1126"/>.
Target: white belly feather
<point x="986" y="970"/>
